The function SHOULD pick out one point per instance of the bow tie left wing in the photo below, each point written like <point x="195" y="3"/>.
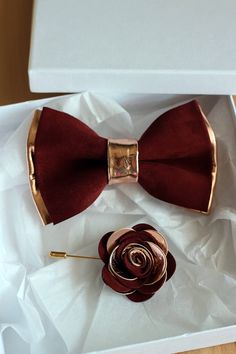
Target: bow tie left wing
<point x="69" y="165"/>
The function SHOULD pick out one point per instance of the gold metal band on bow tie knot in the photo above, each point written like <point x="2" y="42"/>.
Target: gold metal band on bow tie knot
<point x="122" y="159"/>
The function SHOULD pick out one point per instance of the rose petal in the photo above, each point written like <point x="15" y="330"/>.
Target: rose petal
<point x="131" y="237"/>
<point x="113" y="239"/>
<point x="171" y="265"/>
<point x="113" y="283"/>
<point x="161" y="241"/>
<point x="153" y="288"/>
<point x="139" y="297"/>
<point x="160" y="263"/>
<point x="141" y="227"/>
<point x="102" y="247"/>
<point x="153" y="232"/>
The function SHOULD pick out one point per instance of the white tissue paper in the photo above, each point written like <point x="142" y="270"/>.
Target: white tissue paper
<point x="62" y="306"/>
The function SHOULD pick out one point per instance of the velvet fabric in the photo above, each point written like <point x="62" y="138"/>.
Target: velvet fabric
<point x="175" y="161"/>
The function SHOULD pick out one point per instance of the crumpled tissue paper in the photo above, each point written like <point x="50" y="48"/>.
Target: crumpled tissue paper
<point x="63" y="306"/>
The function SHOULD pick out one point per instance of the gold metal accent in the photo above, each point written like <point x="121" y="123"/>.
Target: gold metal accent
<point x="59" y="254"/>
<point x="212" y="138"/>
<point x="122" y="155"/>
<point x="37" y="197"/>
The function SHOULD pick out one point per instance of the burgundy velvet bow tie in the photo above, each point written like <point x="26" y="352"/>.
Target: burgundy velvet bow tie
<point x="69" y="164"/>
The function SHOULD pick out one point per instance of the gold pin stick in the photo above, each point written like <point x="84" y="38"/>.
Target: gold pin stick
<point x="58" y="254"/>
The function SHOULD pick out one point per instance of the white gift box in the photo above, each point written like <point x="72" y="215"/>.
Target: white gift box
<point x="63" y="306"/>
<point x="142" y="46"/>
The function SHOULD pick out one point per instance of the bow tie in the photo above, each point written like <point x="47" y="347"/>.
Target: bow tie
<point x="70" y="165"/>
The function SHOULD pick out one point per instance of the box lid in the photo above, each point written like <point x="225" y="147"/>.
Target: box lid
<point x="160" y="46"/>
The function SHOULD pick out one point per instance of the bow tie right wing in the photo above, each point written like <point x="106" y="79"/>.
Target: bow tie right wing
<point x="178" y="158"/>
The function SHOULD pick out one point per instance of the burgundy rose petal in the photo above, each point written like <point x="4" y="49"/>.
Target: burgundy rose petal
<point x="115" y="236"/>
<point x="138" y="237"/>
<point x="153" y="288"/>
<point x="113" y="283"/>
<point x="171" y="265"/>
<point x="102" y="247"/>
<point x="139" y="297"/>
<point x="160" y="240"/>
<point x="133" y="284"/>
<point x="142" y="227"/>
<point x="160" y="263"/>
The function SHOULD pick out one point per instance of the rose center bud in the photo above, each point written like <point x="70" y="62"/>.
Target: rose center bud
<point x="137" y="260"/>
<point x="137" y="257"/>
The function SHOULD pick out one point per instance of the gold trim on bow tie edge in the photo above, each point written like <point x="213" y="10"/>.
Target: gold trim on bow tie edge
<point x="37" y="197"/>
<point x="122" y="160"/>
<point x="212" y="138"/>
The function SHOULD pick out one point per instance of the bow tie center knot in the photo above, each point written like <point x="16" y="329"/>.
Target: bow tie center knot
<point x="122" y="155"/>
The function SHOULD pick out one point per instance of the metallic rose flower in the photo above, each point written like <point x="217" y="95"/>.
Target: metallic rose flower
<point x="137" y="261"/>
